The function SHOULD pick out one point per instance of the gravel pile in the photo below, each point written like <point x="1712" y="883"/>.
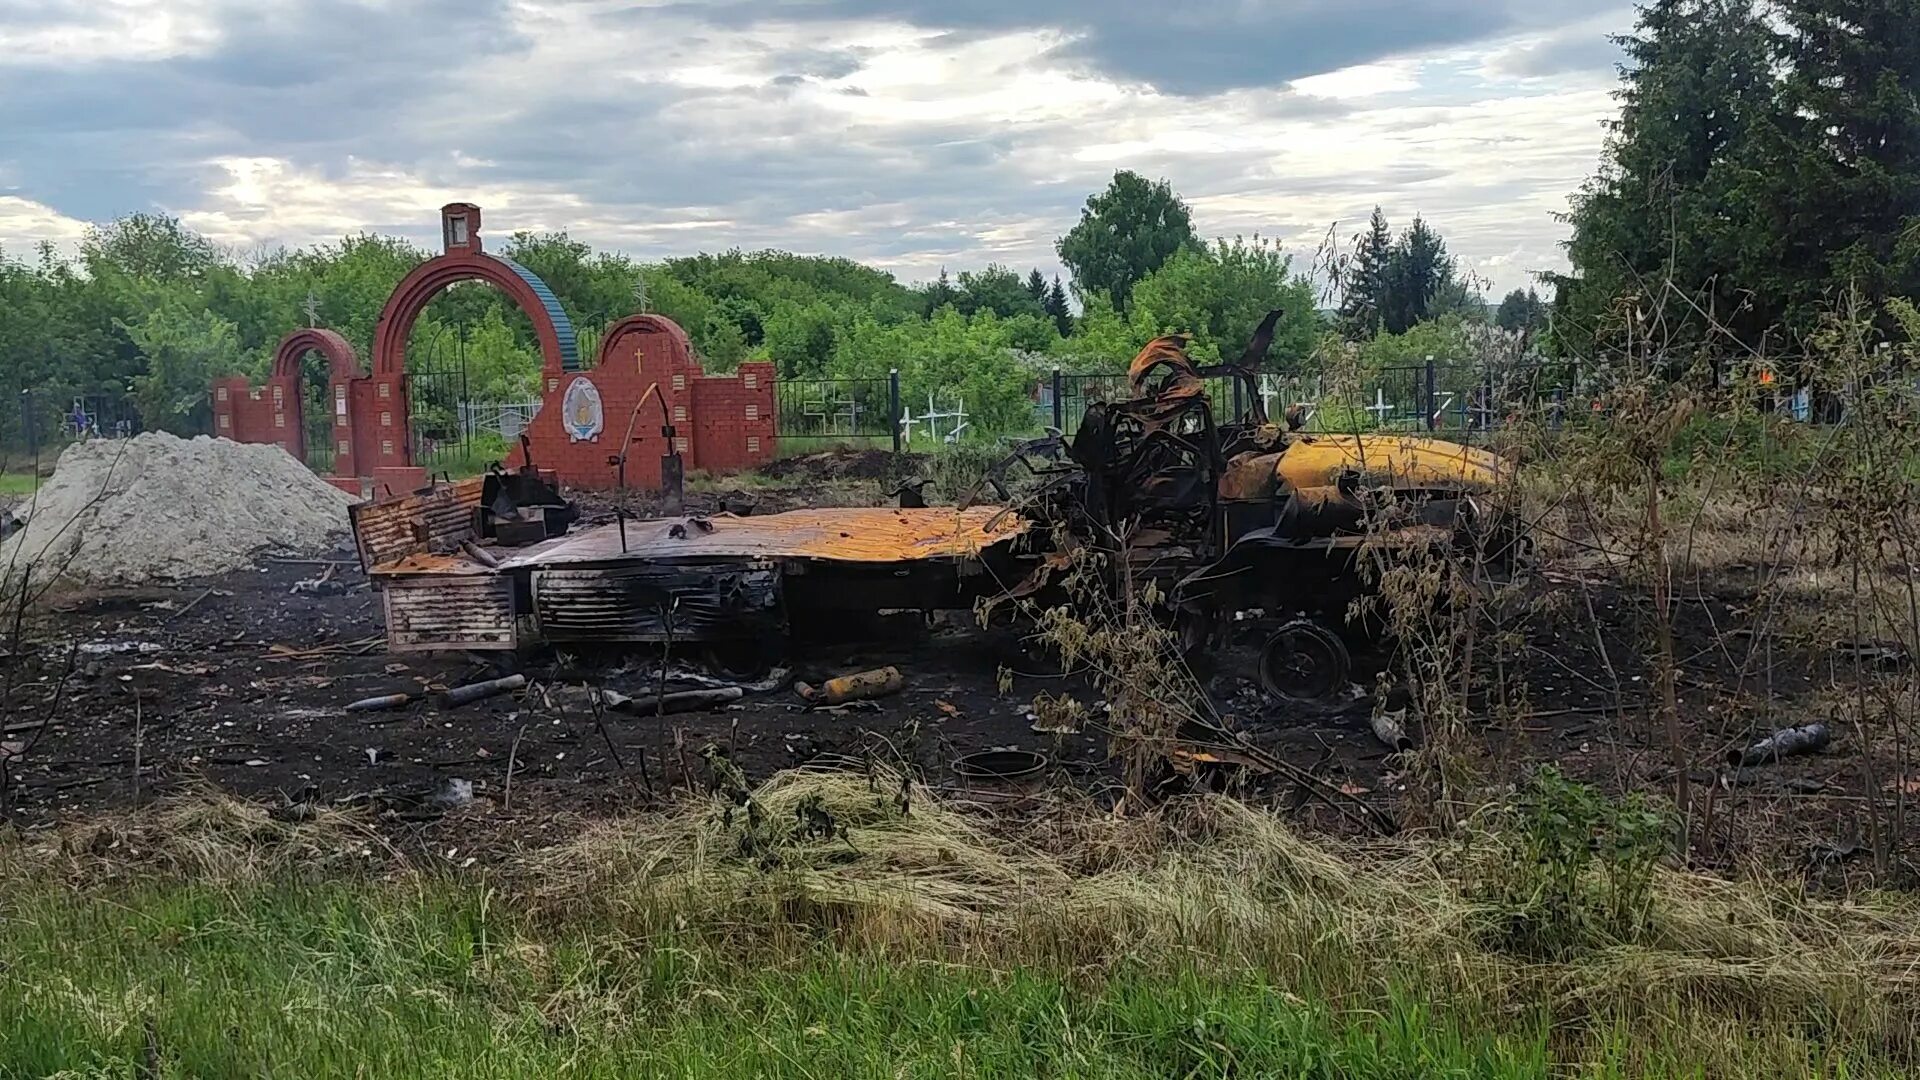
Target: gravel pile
<point x="158" y="508"/>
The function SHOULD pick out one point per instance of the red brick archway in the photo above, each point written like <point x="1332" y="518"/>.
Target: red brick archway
<point x="721" y="423"/>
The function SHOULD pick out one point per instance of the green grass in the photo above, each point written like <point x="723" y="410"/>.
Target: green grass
<point x="203" y="939"/>
<point x="443" y="979"/>
<point x="18" y="483"/>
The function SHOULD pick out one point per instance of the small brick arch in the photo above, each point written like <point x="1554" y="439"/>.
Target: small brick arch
<point x="342" y="360"/>
<point x="615" y="343"/>
<point x="343" y="367"/>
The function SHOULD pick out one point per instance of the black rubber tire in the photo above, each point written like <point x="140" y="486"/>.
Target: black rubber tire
<point x="744" y="659"/>
<point x="1304" y="661"/>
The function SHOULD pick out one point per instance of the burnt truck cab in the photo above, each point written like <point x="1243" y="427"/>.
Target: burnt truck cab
<point x="1253" y="526"/>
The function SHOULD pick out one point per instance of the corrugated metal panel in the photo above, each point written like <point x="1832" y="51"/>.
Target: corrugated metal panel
<point x="446" y="611"/>
<point x="657" y="601"/>
<point x="431" y="523"/>
<point x="846" y="534"/>
<point x="562" y="326"/>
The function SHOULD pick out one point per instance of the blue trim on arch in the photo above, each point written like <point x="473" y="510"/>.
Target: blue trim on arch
<point x="562" y="326"/>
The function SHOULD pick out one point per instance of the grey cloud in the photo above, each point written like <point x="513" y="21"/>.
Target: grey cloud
<point x="320" y="82"/>
<point x="1196" y="46"/>
<point x="309" y="82"/>
<point x="1585" y="51"/>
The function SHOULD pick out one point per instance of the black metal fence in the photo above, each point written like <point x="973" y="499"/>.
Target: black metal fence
<point x="1451" y="400"/>
<point x="839" y="410"/>
<point x="41" y="422"/>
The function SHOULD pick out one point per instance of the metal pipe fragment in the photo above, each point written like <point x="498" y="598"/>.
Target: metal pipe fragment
<point x="480" y="691"/>
<point x="1390" y="728"/>
<point x="480" y="555"/>
<point x="384" y="701"/>
<point x="1787" y="742"/>
<point x="683" y="701"/>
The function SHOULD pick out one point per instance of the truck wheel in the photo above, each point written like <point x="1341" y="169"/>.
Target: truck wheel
<point x="1304" y="661"/>
<point x="744" y="659"/>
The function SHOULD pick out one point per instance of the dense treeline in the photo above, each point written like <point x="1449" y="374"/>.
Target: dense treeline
<point x="152" y="308"/>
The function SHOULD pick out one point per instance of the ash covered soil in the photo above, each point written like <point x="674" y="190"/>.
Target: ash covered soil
<point x="238" y="683"/>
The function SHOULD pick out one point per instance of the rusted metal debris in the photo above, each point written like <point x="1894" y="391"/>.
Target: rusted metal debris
<point x="480" y="691"/>
<point x="678" y="702"/>
<point x="1241" y="526"/>
<point x="1787" y="742"/>
<point x="382" y="702"/>
<point x="859" y="686"/>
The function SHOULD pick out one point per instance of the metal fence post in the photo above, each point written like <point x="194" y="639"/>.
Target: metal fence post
<point x="893" y="407"/>
<point x="27" y="425"/>
<point x="1059" y="405"/>
<point x="1433" y="420"/>
<point x="1559" y="407"/>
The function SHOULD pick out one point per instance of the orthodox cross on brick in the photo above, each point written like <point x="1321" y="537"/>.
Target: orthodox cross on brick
<point x="312" y="308"/>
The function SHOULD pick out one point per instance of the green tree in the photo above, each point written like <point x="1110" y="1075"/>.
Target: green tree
<point x="1365" y="284"/>
<point x="1220" y="293"/>
<point x="1688" y="199"/>
<point x="152" y="247"/>
<point x="940" y="293"/>
<point x="1853" y="95"/>
<point x="1522" y="312"/>
<point x="800" y="337"/>
<point x="999" y="290"/>
<point x="1125" y="233"/>
<point x="186" y="346"/>
<point x="1419" y="273"/>
<point x="1037" y="286"/>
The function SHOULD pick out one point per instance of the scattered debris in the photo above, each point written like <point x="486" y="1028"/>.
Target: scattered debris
<point x="1876" y="655"/>
<point x="319" y="584"/>
<point x="453" y="794"/>
<point x="384" y="701"/>
<point x="1005" y="771"/>
<point x="1787" y="742"/>
<point x="108" y="648"/>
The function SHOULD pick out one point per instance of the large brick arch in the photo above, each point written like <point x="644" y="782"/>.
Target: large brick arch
<point x="464" y="260"/>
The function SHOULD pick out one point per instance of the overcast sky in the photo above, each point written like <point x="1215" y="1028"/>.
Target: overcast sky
<point x="910" y="134"/>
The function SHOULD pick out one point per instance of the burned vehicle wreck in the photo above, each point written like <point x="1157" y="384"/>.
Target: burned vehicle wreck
<point x="1246" y="527"/>
<point x="1250" y="528"/>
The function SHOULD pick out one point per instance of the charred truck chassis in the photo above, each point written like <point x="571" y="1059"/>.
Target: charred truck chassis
<point x="738" y="584"/>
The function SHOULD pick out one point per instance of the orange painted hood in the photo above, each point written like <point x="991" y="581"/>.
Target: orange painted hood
<point x="1404" y="461"/>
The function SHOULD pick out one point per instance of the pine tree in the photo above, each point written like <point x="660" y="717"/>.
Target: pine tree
<point x="1037" y="286"/>
<point x="1853" y="92"/>
<point x="1418" y="271"/>
<point x="1056" y="305"/>
<point x="940" y="294"/>
<point x="1366" y="282"/>
<point x="1687" y="197"/>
